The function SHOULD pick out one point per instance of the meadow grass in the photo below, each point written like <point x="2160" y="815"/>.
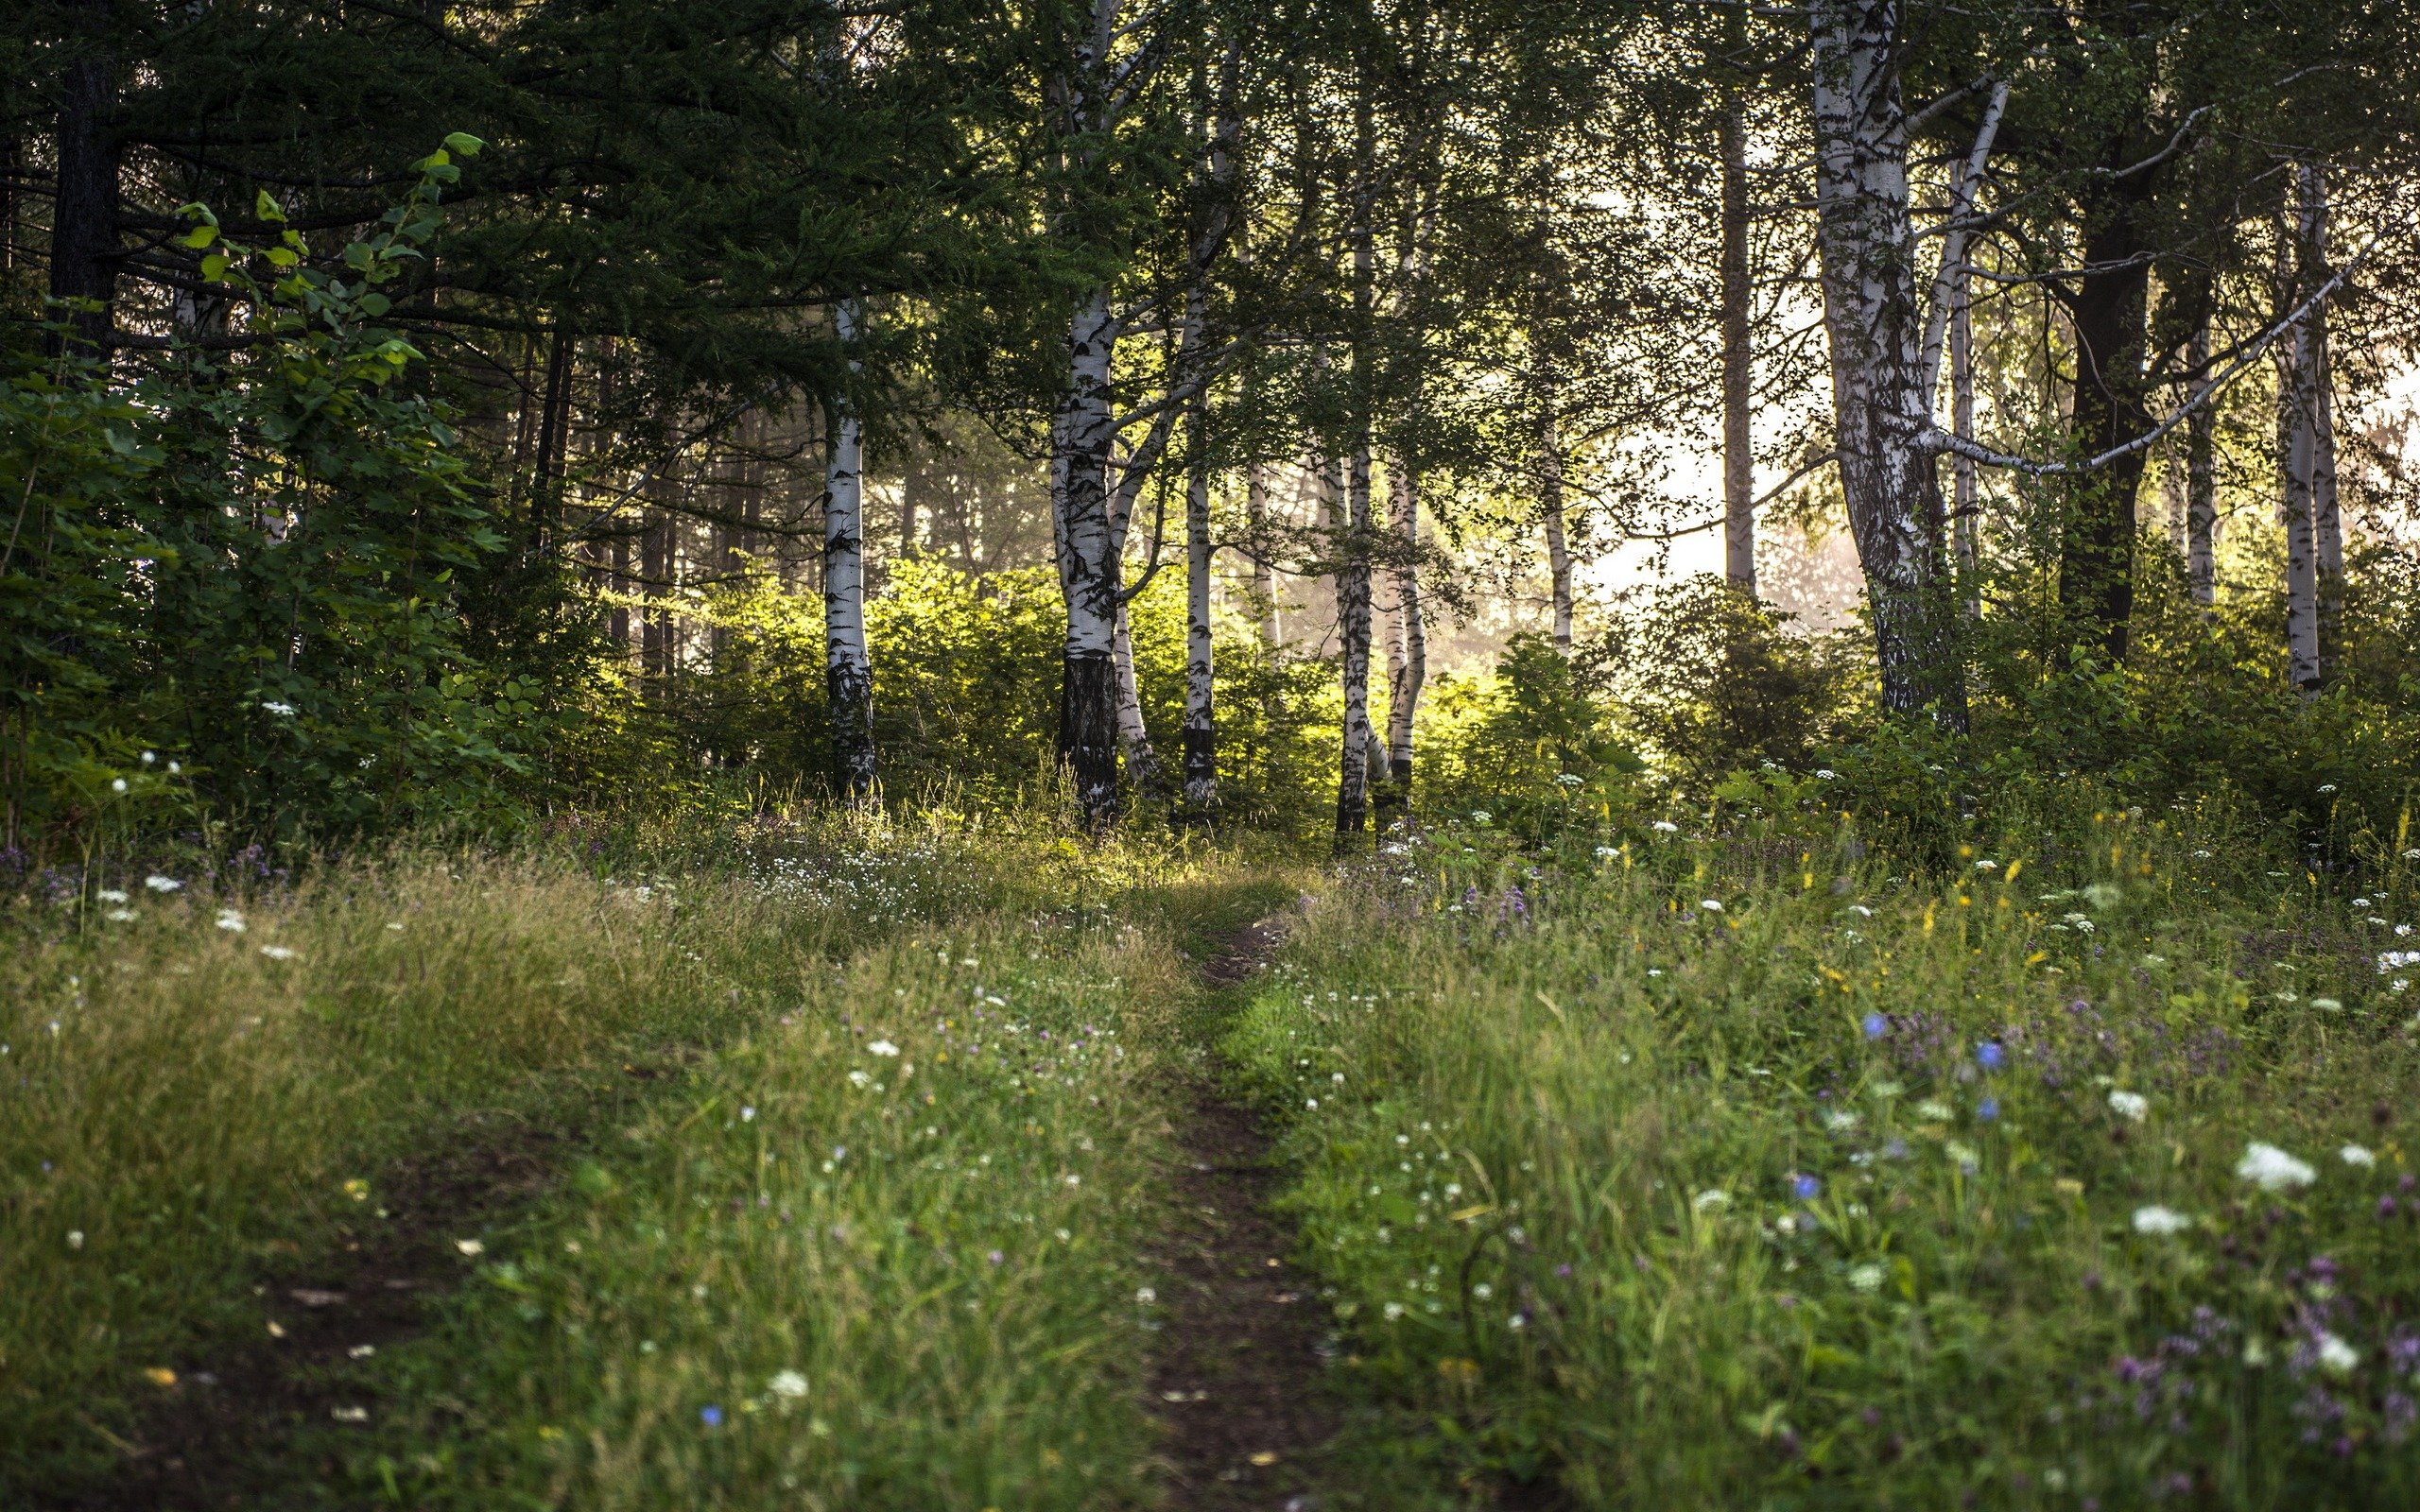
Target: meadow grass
<point x="210" y="1087"/>
<point x="1716" y="1166"/>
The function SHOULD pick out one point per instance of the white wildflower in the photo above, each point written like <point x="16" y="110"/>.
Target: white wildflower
<point x="1711" y="905"/>
<point x="1712" y="1197"/>
<point x="159" y="884"/>
<point x="1664" y="827"/>
<point x="111" y="895"/>
<point x="1866" y="1277"/>
<point x="1606" y="852"/>
<point x="283" y="711"/>
<point x="1933" y="1109"/>
<point x="882" y="1047"/>
<point x="1145" y="1295"/>
<point x="117" y="784"/>
<point x="2158" y="1220"/>
<point x="2134" y="1106"/>
<point x="2396" y="960"/>
<point x="789" y="1384"/>
<point x="1824" y="774"/>
<point x="231" y="920"/>
<point x="2271" y="1169"/>
<point x="2356" y="1155"/>
<point x="2337" y="1355"/>
<point x="471" y="1248"/>
<point x="278" y="952"/>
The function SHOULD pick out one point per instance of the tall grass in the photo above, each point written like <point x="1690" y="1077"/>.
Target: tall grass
<point x="1725" y="1169"/>
<point x="198" y="1090"/>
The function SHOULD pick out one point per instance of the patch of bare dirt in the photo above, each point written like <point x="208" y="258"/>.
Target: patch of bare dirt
<point x="1237" y="1378"/>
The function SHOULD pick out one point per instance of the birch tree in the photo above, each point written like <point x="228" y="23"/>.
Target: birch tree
<point x="848" y="668"/>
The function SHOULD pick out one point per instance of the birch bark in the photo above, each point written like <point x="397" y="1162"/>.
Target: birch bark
<point x="1738" y="361"/>
<point x="2201" y="483"/>
<point x="1965" y="527"/>
<point x="848" y="668"/>
<point x="1881" y="402"/>
<point x="1089" y="568"/>
<point x="1408" y="648"/>
<point x="2314" y="534"/>
<point x="1201" y="710"/>
<point x="1551" y="508"/>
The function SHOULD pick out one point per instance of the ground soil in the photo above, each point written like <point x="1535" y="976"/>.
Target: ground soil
<point x="1237" y="1379"/>
<point x="223" y="1436"/>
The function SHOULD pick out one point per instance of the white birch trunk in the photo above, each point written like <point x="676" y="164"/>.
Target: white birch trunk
<point x="1352" y="632"/>
<point x="1408" y="638"/>
<point x="2309" y="459"/>
<point x="848" y="668"/>
<point x="1089" y="568"/>
<point x="1200" y="716"/>
<point x="1133" y="736"/>
<point x="1739" y="364"/>
<point x="1966" y="526"/>
<point x="1551" y="507"/>
<point x="1264" y="579"/>
<point x="2201" y="484"/>
<point x="1881" y="390"/>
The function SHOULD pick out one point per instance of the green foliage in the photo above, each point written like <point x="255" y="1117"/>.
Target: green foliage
<point x="235" y="578"/>
<point x="1721" y="1168"/>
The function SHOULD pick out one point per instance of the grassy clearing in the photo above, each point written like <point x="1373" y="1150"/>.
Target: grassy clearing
<point x="1722" y="1169"/>
<point x="192" y="1106"/>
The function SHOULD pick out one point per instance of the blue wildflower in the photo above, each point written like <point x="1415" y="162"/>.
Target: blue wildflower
<point x="1990" y="1056"/>
<point x="1876" y="1026"/>
<point x="1805" y="1187"/>
<point x="711" y="1416"/>
<point x="1988" y="1108"/>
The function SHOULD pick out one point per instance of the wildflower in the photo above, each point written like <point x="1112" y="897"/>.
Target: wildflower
<point x="1145" y="1295"/>
<point x="789" y="1384"/>
<point x="1987" y="865"/>
<point x="283" y="711"/>
<point x="2337" y="1355"/>
<point x="1664" y="827"/>
<point x="1394" y="1310"/>
<point x="1824" y="774"/>
<point x="2356" y="1155"/>
<point x="1933" y="1109"/>
<point x="2134" y="1106"/>
<point x="471" y="1248"/>
<point x="149" y="758"/>
<point x="1875" y="1026"/>
<point x="1606" y="852"/>
<point x="1866" y="1277"/>
<point x="1481" y="816"/>
<point x="356" y="1189"/>
<point x="120" y="916"/>
<point x="2271" y="1169"/>
<point x="159" y="884"/>
<point x="1839" y="1119"/>
<point x="75" y="1238"/>
<point x="231" y="920"/>
<point x="2396" y="960"/>
<point x="1861" y="910"/>
<point x="1988" y="1109"/>
<point x="859" y="1078"/>
<point x="1990" y="1056"/>
<point x="111" y="895"/>
<point x="350" y="1414"/>
<point x="117" y="784"/>
<point x="882" y="1047"/>
<point x="748" y="1115"/>
<point x="2327" y="787"/>
<point x="2328" y="1004"/>
<point x="709" y="1415"/>
<point x="1570" y="778"/>
<point x="361" y="1351"/>
<point x="278" y="952"/>
<point x="1712" y="1197"/>
<point x="161" y="1376"/>
<point x="1805" y="1187"/>
<point x="1711" y="905"/>
<point x="2158" y="1220"/>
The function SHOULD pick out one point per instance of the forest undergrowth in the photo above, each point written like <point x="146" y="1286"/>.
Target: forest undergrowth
<point x="1728" y="1160"/>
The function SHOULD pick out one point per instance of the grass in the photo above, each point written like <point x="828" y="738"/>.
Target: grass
<point x="1718" y="1167"/>
<point x="196" y="1107"/>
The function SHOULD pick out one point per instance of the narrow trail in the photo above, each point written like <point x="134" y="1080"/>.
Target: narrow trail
<point x="1238" y="1377"/>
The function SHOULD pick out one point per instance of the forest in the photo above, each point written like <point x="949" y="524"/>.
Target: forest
<point x="986" y="755"/>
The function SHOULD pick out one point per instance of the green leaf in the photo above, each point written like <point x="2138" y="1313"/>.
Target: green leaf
<point x="267" y="209"/>
<point x="199" y="238"/>
<point x="463" y="143"/>
<point x="374" y="304"/>
<point x="281" y="257"/>
<point x="213" y="268"/>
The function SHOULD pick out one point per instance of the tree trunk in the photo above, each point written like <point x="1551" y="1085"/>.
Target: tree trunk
<point x="1881" y="406"/>
<point x="1965" y="527"/>
<point x="848" y="668"/>
<point x="1200" y="723"/>
<point x="1352" y="632"/>
<point x="2201" y="483"/>
<point x="1264" y="577"/>
<point x="2314" y="533"/>
<point x="1738" y="365"/>
<point x="1133" y="735"/>
<point x="84" y="251"/>
<point x="1551" y="508"/>
<point x="2097" y="548"/>
<point x="1089" y="568"/>
<point x="1408" y="653"/>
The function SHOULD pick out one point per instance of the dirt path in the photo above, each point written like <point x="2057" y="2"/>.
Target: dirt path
<point x="1237" y="1378"/>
